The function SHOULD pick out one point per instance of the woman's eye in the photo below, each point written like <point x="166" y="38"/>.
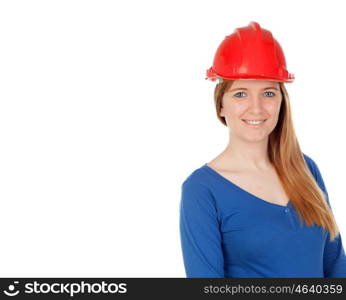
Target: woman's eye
<point x="238" y="94"/>
<point x="272" y="93"/>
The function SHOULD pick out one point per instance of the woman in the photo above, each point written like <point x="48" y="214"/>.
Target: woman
<point x="260" y="208"/>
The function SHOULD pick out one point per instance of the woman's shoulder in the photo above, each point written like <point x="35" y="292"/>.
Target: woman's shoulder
<point x="196" y="189"/>
<point x="308" y="159"/>
<point x="196" y="177"/>
<point x="311" y="164"/>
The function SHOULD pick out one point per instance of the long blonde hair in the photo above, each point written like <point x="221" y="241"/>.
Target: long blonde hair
<point x="287" y="158"/>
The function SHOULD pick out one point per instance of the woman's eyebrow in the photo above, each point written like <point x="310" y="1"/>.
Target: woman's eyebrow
<point x="266" y="88"/>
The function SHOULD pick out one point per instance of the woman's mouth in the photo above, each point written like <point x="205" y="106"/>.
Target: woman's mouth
<point x="254" y="123"/>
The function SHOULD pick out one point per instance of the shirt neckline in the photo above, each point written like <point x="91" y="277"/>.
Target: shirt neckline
<point x="229" y="182"/>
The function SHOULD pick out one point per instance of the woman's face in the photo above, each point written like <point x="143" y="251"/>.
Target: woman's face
<point x="248" y="100"/>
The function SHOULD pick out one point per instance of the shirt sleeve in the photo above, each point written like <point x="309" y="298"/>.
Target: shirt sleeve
<point x="200" y="232"/>
<point x="334" y="258"/>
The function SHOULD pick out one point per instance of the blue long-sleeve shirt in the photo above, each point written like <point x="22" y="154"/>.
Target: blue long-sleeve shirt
<point x="226" y="231"/>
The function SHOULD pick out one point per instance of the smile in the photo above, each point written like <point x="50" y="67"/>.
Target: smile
<point x="254" y="123"/>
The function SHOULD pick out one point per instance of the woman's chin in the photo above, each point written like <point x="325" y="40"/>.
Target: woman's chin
<point x="255" y="138"/>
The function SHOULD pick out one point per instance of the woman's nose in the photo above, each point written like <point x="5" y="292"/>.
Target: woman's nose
<point x="255" y="103"/>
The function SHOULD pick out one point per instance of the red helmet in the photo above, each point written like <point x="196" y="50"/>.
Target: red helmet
<point x="250" y="53"/>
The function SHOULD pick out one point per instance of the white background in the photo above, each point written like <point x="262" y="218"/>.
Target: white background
<point x="105" y="110"/>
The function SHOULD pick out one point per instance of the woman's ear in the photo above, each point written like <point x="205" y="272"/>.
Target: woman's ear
<point x="222" y="114"/>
